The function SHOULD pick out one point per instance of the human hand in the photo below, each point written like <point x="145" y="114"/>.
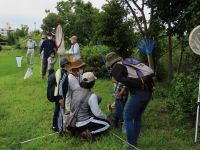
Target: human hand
<point x="61" y="102"/>
<point x="117" y="96"/>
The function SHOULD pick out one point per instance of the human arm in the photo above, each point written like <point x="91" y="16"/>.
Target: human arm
<point x="121" y="92"/>
<point x="42" y="46"/>
<point x="93" y="103"/>
<point x="55" y="48"/>
<point x="60" y="93"/>
<point x="120" y="73"/>
<point x="75" y="49"/>
<point x="54" y="61"/>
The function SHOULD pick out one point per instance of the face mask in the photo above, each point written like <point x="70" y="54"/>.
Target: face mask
<point x="80" y="71"/>
<point x="49" y="37"/>
<point x="30" y="39"/>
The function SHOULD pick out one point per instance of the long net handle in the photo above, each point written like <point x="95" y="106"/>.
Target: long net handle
<point x="197" y="115"/>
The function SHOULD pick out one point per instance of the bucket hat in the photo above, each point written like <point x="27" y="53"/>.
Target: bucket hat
<point x="112" y="58"/>
<point x="73" y="38"/>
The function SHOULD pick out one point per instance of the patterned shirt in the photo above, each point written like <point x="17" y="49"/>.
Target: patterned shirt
<point x="118" y="88"/>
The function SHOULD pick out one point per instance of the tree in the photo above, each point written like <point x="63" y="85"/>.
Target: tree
<point x="143" y="20"/>
<point x="78" y="19"/>
<point x="50" y="22"/>
<point x="21" y="32"/>
<point x="168" y="12"/>
<point x="115" y="29"/>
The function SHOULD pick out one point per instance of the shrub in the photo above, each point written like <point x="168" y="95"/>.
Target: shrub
<point x="94" y="57"/>
<point x="183" y="97"/>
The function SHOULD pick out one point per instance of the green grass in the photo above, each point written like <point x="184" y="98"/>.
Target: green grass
<point x="25" y="113"/>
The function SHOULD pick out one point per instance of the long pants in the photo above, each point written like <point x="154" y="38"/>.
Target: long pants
<point x="118" y="114"/>
<point x="30" y="56"/>
<point x="95" y="126"/>
<point x="56" y="115"/>
<point x="44" y="66"/>
<point x="133" y="113"/>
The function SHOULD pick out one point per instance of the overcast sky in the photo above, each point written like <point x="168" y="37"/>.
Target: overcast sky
<point x="30" y="12"/>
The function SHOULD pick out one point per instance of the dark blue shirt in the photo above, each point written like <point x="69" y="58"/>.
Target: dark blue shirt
<point x="48" y="46"/>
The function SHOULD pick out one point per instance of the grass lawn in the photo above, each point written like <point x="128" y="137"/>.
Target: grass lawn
<point x="25" y="113"/>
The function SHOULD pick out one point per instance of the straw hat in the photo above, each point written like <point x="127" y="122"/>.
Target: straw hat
<point x="88" y="77"/>
<point x="73" y="38"/>
<point x="75" y="64"/>
<point x="112" y="58"/>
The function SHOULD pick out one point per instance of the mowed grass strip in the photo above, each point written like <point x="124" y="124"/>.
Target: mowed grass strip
<point x="25" y="113"/>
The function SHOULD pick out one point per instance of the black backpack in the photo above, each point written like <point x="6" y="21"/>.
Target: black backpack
<point x="51" y="87"/>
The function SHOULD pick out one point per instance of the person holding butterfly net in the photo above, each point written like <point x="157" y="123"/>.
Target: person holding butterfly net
<point x="75" y="49"/>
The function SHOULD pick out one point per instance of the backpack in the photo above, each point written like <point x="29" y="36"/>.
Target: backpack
<point x="51" y="87"/>
<point x="136" y="69"/>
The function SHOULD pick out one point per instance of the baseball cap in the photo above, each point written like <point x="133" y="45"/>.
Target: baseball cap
<point x="88" y="77"/>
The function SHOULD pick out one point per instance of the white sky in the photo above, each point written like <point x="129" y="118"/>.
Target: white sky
<point x="29" y="12"/>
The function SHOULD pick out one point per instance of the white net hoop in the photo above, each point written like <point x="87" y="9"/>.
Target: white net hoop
<point x="194" y="40"/>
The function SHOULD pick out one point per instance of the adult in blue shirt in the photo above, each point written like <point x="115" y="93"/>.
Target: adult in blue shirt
<point x="47" y="46"/>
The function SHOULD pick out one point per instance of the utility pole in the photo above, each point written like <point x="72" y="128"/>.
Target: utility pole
<point x="34" y="26"/>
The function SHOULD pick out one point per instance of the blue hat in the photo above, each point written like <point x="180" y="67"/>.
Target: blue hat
<point x="63" y="61"/>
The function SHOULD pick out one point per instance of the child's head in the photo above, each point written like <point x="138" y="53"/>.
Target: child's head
<point x="52" y="54"/>
<point x="114" y="80"/>
<point x="88" y="80"/>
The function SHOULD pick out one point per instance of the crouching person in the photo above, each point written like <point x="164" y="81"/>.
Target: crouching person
<point x="90" y="119"/>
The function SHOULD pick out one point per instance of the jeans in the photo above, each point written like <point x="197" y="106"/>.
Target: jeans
<point x="133" y="113"/>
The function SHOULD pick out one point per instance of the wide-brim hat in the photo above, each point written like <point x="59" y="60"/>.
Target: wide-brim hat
<point x="112" y="58"/>
<point x="75" y="64"/>
<point x="73" y="38"/>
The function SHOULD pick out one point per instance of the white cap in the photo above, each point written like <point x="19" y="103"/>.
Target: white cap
<point x="88" y="77"/>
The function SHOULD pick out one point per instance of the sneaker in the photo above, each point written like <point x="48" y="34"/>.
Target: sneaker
<point x="123" y="128"/>
<point x="55" y="129"/>
<point x="86" y="134"/>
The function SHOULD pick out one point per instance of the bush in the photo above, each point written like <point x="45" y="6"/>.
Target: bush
<point x="7" y="47"/>
<point x="94" y="57"/>
<point x="183" y="97"/>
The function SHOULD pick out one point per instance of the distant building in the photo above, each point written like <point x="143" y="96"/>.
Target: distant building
<point x="5" y="31"/>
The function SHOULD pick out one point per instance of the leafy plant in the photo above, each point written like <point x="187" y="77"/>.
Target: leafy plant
<point x="183" y="97"/>
<point x="94" y="57"/>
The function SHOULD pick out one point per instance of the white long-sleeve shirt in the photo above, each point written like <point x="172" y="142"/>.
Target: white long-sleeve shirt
<point x="95" y="109"/>
<point x="94" y="106"/>
<point x="73" y="85"/>
<point x="74" y="50"/>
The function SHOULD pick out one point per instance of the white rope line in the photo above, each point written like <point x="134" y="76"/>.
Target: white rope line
<point x="37" y="138"/>
<point x="124" y="141"/>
